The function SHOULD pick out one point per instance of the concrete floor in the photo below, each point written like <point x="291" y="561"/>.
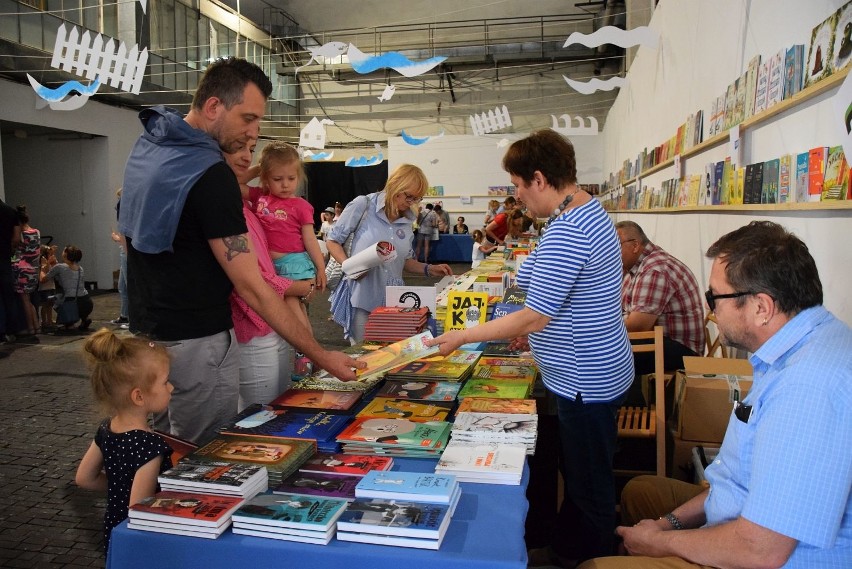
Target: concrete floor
<point x="47" y="421"/>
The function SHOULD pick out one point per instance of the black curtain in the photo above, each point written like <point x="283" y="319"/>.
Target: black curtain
<point x="330" y="182"/>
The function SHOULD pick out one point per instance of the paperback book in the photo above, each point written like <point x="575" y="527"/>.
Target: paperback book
<point x="215" y="477"/>
<point x="402" y="433"/>
<point x="499" y="388"/>
<point x="320" y="400"/>
<point x="420" y="390"/>
<point x="394" y="355"/>
<point x="176" y="528"/>
<point x="343" y="464"/>
<point x="395" y="518"/>
<point x="280" y="456"/>
<point x="186" y="508"/>
<point x="439" y="371"/>
<point x="416" y="486"/>
<point x="492" y="463"/>
<point x="268" y="420"/>
<point x="303" y="536"/>
<point x="319" y="484"/>
<point x="511" y="371"/>
<point x="395" y="408"/>
<point x="290" y="517"/>
<point x="495" y="405"/>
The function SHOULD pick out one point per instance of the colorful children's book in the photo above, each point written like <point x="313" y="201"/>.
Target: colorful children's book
<point x="816" y="172"/>
<point x="394" y="355"/>
<point x="418" y="389"/>
<point x="346" y="464"/>
<point x="186" y="508"/>
<point x="439" y="371"/>
<point x="511" y="371"/>
<point x="280" y="456"/>
<point x="785" y="178"/>
<point x="272" y="421"/>
<point x="802" y="160"/>
<point x="298" y="511"/>
<point x="465" y="310"/>
<point x="318" y="484"/>
<point x="416" y="486"/>
<point x="394" y="408"/>
<point x="498" y="388"/>
<point x="395" y="518"/>
<point x="496" y="405"/>
<point x="397" y="432"/>
<point x="836" y="182"/>
<point x="321" y="400"/>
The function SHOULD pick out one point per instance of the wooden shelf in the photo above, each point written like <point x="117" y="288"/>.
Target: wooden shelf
<point x="814" y="90"/>
<point x="809" y="206"/>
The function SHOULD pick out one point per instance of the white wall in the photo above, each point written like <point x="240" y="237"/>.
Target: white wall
<point x="704" y="46"/>
<point x="69" y="182"/>
<point x="466" y="165"/>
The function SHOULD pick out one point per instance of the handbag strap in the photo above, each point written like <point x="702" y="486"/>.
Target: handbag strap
<point x="77" y="286"/>
<point x="347" y="245"/>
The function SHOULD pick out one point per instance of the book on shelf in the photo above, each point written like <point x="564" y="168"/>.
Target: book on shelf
<point x="751" y="84"/>
<point x="496" y="405"/>
<point x="785" y="178"/>
<point x="718" y="179"/>
<point x="343" y="464"/>
<point x="290" y="511"/>
<point x="801" y="194"/>
<point x="491" y="463"/>
<point x="273" y="421"/>
<point x="728" y="180"/>
<point x="318" y="484"/>
<point x="215" y="477"/>
<point x="417" y="486"/>
<point x="775" y="91"/>
<point x="761" y="89"/>
<point x="420" y="390"/>
<point x="820" y="61"/>
<point x="836" y="181"/>
<point x="280" y="456"/>
<point x="769" y="189"/>
<point x="816" y="172"/>
<point x="186" y="508"/>
<point x="793" y="67"/>
<point x="395" y="408"/>
<point x="395" y="518"/>
<point x="706" y="196"/>
<point x="842" y="47"/>
<point x="739" y="105"/>
<point x="739" y="185"/>
<point x="318" y="400"/>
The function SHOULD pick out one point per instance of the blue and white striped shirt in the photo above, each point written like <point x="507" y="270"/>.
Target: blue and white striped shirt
<point x="574" y="277"/>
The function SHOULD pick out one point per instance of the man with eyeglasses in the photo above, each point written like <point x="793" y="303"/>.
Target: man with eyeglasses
<point x="781" y="486"/>
<point x="659" y="290"/>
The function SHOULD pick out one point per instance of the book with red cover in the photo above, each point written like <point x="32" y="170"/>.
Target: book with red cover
<point x="186" y="508"/>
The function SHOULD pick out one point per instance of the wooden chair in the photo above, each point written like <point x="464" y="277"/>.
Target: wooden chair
<point x="649" y="421"/>
<point x="714" y="345"/>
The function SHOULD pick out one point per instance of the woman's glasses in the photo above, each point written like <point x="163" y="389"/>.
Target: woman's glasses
<point x="412" y="199"/>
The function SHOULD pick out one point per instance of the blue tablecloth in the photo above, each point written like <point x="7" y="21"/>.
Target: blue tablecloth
<point x="486" y="531"/>
<point x="451" y="248"/>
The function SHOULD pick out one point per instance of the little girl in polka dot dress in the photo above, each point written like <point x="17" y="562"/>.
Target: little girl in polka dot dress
<point x="130" y="380"/>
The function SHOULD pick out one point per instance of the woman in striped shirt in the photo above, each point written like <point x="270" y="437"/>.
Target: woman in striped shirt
<point x="572" y="316"/>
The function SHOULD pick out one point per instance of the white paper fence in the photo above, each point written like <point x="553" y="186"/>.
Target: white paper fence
<point x="490" y="121"/>
<point x="96" y="59"/>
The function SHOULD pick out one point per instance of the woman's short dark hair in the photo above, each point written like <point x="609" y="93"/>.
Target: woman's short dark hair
<point x="763" y="257"/>
<point x="545" y="151"/>
<point x="73" y="254"/>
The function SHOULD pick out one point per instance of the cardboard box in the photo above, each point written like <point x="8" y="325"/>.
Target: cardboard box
<point x="679" y="455"/>
<point x="705" y="392"/>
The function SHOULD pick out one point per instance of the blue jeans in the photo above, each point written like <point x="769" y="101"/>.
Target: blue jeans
<point x="586" y="519"/>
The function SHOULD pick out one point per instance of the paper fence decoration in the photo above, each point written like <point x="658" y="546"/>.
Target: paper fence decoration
<point x="365" y="63"/>
<point x="387" y="93"/>
<point x="596" y="84"/>
<point x="642" y="35"/>
<point x="490" y="121"/>
<point x="415" y="141"/>
<point x="580" y="130"/>
<point x="329" y="50"/>
<point x="95" y="59"/>
<point x="144" y="4"/>
<point x="313" y="135"/>
<point x="364" y="161"/>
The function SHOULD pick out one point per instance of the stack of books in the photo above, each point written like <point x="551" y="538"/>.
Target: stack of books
<point x="411" y="486"/>
<point x="420" y="390"/>
<point x="318" y="400"/>
<point x="432" y="371"/>
<point x="396" y="437"/>
<point x="289" y="517"/>
<point x="275" y="421"/>
<point x="515" y="428"/>
<point x="346" y="464"/>
<point x="394" y="522"/>
<point x="319" y="484"/>
<point x="394" y="323"/>
<point x="280" y="456"/>
<point x="497" y="388"/>
<point x="489" y="463"/>
<point x="184" y="513"/>
<point x="215" y="477"/>
<point x="494" y="405"/>
<point x="396" y="408"/>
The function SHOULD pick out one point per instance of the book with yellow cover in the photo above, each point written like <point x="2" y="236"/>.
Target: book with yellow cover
<point x="465" y="310"/>
<point x="395" y="408"/>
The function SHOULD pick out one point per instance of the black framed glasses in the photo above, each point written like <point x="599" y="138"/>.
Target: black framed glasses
<point x="712" y="298"/>
<point x="411" y="199"/>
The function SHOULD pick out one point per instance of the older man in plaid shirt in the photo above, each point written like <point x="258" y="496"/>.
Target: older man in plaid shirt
<point x="659" y="289"/>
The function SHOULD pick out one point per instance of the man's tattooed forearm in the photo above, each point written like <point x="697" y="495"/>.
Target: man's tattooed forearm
<point x="235" y="245"/>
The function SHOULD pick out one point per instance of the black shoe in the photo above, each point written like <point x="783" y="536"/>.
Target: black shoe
<point x="84" y="325"/>
<point x="120" y="320"/>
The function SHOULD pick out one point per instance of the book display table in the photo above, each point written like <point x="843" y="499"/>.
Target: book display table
<point x="487" y="531"/>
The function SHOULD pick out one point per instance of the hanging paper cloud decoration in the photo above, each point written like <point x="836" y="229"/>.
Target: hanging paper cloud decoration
<point x="54" y="97"/>
<point x="596" y="84"/>
<point x="579" y="130"/>
<point x="642" y="35"/>
<point x="364" y="161"/>
<point x="326" y="50"/>
<point x="415" y="141"/>
<point x="318" y="156"/>
<point x="364" y="63"/>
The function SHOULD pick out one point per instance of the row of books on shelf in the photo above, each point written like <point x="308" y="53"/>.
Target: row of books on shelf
<point x="767" y="81"/>
<point x="819" y="175"/>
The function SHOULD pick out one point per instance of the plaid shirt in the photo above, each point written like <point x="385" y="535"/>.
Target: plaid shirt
<point x="662" y="285"/>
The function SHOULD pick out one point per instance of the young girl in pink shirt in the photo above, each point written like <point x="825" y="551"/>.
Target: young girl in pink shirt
<point x="287" y="220"/>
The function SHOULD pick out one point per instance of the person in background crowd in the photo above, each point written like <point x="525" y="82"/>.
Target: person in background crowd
<point x="659" y="289"/>
<point x="491" y="212"/>
<point x="460" y="228"/>
<point x="481" y="248"/>
<point x="130" y="380"/>
<point x="443" y="219"/>
<point x="71" y="278"/>
<point x="572" y="315"/>
<point x="779" y="489"/>
<point x="338" y="209"/>
<point x="46" y="288"/>
<point x="183" y="266"/>
<point x="25" y="264"/>
<point x="123" y="320"/>
<point x="10" y="308"/>
<point x="427" y="227"/>
<point x="325" y="227"/>
<point x="504" y="225"/>
<point x="508" y="205"/>
<point x="384" y="215"/>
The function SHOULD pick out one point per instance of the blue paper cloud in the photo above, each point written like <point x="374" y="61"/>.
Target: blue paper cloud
<point x="364" y="161"/>
<point x="59" y="93"/>
<point x="364" y="63"/>
<point x="416" y="141"/>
